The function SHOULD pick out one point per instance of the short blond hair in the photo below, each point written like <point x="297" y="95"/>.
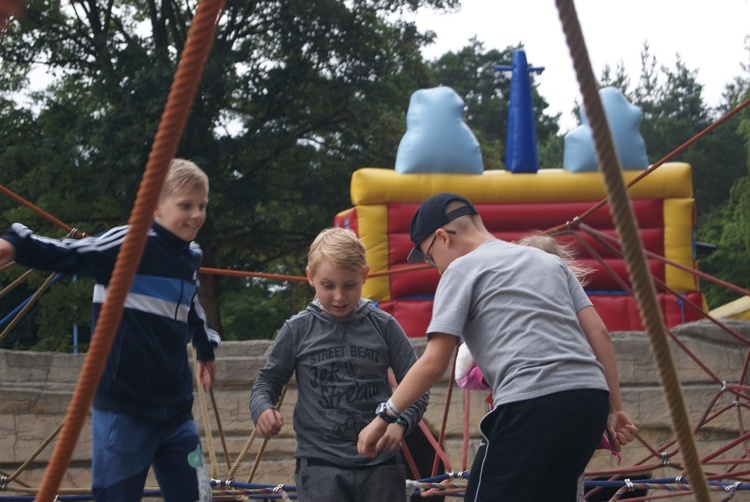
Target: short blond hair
<point x="338" y="246"/>
<point x="182" y="173"/>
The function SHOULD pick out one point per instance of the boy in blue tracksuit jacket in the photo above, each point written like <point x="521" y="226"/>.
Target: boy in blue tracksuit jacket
<point x="142" y="411"/>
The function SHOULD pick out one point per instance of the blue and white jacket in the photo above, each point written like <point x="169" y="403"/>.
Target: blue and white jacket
<point x="148" y="372"/>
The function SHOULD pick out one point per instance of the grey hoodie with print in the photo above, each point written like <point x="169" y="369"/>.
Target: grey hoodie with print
<point x="341" y="368"/>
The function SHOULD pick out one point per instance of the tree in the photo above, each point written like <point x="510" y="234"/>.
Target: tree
<point x="728" y="224"/>
<point x="295" y="95"/>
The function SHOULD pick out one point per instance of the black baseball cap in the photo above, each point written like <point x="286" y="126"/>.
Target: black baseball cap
<point x="430" y="216"/>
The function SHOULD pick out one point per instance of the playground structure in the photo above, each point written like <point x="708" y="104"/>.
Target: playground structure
<point x="673" y="219"/>
<point x="513" y="205"/>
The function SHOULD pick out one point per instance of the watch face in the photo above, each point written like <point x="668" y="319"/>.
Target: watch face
<point x="382" y="412"/>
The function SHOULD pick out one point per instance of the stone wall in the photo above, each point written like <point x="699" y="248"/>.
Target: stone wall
<point x="37" y="387"/>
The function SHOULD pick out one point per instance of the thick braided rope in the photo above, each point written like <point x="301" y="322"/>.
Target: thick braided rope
<point x="622" y="214"/>
<point x="241" y="456"/>
<point x="220" y="428"/>
<point x="171" y="125"/>
<point x="466" y="430"/>
<point x="213" y="472"/>
<point x="259" y="455"/>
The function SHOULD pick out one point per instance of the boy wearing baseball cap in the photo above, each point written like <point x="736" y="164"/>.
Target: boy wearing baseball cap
<point x="540" y="344"/>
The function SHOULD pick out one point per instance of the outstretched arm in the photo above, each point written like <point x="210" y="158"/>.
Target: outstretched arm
<point x="620" y="428"/>
<point x="421" y="377"/>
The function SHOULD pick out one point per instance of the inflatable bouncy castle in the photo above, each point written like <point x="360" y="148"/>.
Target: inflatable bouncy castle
<point x="515" y="204"/>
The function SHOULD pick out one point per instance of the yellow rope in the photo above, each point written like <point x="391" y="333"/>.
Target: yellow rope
<point x="241" y="456"/>
<point x="33" y="456"/>
<point x="265" y="441"/>
<point x="219" y="427"/>
<point x="622" y="214"/>
<point x="15" y="283"/>
<point x="204" y="415"/>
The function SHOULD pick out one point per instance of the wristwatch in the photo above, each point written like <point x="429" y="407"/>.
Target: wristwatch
<point x="402" y="422"/>
<point x="382" y="412"/>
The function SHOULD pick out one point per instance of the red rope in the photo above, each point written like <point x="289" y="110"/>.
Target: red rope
<point x="427" y="433"/>
<point x="41" y="212"/>
<point x="168" y="135"/>
<point x="466" y="430"/>
<point x="667" y="157"/>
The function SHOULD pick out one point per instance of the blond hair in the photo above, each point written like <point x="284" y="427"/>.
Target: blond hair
<point x="566" y="251"/>
<point x="338" y="246"/>
<point x="183" y="173"/>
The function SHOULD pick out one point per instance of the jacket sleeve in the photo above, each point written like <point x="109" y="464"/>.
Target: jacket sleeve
<point x="275" y="374"/>
<point x="402" y="357"/>
<point x="204" y="337"/>
<point x="91" y="256"/>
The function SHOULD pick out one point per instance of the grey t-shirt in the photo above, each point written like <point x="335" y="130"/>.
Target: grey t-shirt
<point x="516" y="309"/>
<point x="341" y="367"/>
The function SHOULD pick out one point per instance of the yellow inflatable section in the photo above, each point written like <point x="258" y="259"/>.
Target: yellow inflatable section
<point x="374" y="189"/>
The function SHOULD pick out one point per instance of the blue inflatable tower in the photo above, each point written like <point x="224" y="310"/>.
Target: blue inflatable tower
<point x="521" y="155"/>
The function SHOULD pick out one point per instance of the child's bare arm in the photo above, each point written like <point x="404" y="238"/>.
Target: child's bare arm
<point x="619" y="426"/>
<point x="424" y="374"/>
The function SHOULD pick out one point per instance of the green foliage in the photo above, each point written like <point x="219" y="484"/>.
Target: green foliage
<point x="295" y="96"/>
<point x="256" y="309"/>
<point x="730" y="260"/>
<point x="49" y="321"/>
<point x="726" y="223"/>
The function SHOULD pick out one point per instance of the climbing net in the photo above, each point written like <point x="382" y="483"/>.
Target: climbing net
<point x="723" y="470"/>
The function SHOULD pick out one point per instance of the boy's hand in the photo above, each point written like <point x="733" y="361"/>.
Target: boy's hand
<point x="269" y="423"/>
<point x="206" y="373"/>
<point x="7" y="252"/>
<point x="620" y="429"/>
<point x="392" y="438"/>
<point x="369" y="443"/>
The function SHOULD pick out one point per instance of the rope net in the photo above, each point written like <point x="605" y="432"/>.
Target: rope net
<point x="723" y="470"/>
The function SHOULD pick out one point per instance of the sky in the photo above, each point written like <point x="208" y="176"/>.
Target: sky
<point x="709" y="37"/>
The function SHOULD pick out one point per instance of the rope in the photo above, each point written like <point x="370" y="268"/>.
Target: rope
<point x="241" y="456"/>
<point x="168" y="135"/>
<point x="220" y="428"/>
<point x="15" y="283"/>
<point x="256" y="463"/>
<point x="622" y="214"/>
<point x="28" y="306"/>
<point x="466" y="430"/>
<point x="36" y="453"/>
<point x="441" y="436"/>
<point x="436" y="445"/>
<point x="204" y="415"/>
<point x="40" y="212"/>
<point x="731" y="113"/>
<point x="297" y="278"/>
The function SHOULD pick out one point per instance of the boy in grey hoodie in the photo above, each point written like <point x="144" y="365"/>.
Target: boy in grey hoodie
<point x="340" y="348"/>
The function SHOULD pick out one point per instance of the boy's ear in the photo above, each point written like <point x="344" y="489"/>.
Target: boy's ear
<point x="365" y="273"/>
<point x="309" y="276"/>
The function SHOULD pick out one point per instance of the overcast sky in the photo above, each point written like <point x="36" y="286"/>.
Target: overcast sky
<point x="709" y="37"/>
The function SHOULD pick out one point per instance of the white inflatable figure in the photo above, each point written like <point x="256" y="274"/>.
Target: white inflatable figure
<point x="623" y="119"/>
<point x="437" y="140"/>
